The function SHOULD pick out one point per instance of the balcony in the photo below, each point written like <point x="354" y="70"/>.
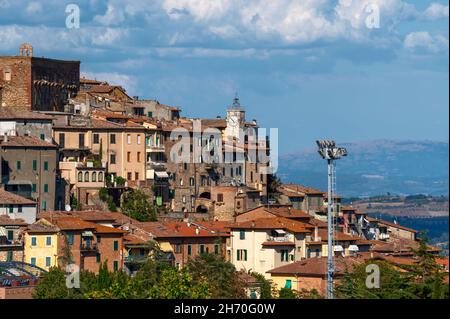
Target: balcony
<point x="279" y="239"/>
<point x="136" y="258"/>
<point x="88" y="247"/>
<point x="10" y="243"/>
<point x="156" y="166"/>
<point x="154" y="148"/>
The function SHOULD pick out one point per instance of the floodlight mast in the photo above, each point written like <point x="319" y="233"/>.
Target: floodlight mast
<point x="329" y="152"/>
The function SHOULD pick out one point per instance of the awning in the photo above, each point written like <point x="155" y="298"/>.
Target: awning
<point x="161" y="174"/>
<point x="166" y="247"/>
<point x="3" y="231"/>
<point x="87" y="234"/>
<point x="353" y="248"/>
<point x="280" y="231"/>
<point x="338" y="248"/>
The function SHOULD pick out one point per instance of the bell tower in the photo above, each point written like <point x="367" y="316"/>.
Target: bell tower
<point x="235" y="118"/>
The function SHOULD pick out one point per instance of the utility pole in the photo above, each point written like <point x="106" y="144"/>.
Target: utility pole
<point x="329" y="152"/>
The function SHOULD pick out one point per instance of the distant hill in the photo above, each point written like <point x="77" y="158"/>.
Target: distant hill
<point x="375" y="167"/>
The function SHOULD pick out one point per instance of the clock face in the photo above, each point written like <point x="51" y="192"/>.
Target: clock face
<point x="233" y="121"/>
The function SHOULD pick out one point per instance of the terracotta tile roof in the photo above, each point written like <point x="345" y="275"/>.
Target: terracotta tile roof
<point x="300" y="189"/>
<point x="340" y="236"/>
<point x="384" y="222"/>
<point x="318" y="223"/>
<point x="91" y="216"/>
<point x="130" y="239"/>
<point x="6" y="221"/>
<point x="25" y="141"/>
<point x="41" y="228"/>
<point x="289" y="212"/>
<point x="274" y="223"/>
<point x="178" y="229"/>
<point x="74" y="223"/>
<point x="346" y="207"/>
<point x="10" y="113"/>
<point x="399" y="245"/>
<point x="317" y="266"/>
<point x="11" y="198"/>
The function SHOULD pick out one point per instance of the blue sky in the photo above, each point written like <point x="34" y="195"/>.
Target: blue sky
<point x="312" y="68"/>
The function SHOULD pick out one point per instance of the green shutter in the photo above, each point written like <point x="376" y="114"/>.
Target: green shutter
<point x="19" y="165"/>
<point x="245" y="254"/>
<point x="34" y="188"/>
<point x="116" y="245"/>
<point x="238" y="255"/>
<point x="116" y="265"/>
<point x="34" y="165"/>
<point x="45" y="188"/>
<point x="288" y="284"/>
<point x="216" y="249"/>
<point x="10" y="255"/>
<point x="189" y="249"/>
<point x="45" y="166"/>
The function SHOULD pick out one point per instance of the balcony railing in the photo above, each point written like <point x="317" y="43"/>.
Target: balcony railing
<point x="280" y="239"/>
<point x="156" y="165"/>
<point x="155" y="148"/>
<point x="88" y="247"/>
<point x="135" y="258"/>
<point x="11" y="243"/>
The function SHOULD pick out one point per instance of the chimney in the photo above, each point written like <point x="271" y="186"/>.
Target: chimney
<point x="5" y="139"/>
<point x="316" y="233"/>
<point x="197" y="231"/>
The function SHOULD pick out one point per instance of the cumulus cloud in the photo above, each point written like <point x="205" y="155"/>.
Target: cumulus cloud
<point x="423" y="42"/>
<point x="436" y="11"/>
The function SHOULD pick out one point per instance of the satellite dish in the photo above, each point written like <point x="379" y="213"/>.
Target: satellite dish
<point x="68" y="208"/>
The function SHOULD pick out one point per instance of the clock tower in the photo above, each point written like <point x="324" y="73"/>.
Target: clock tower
<point x="235" y="119"/>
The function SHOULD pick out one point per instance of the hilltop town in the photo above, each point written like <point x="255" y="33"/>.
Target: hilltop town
<point x="90" y="171"/>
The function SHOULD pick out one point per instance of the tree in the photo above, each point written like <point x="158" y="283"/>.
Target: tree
<point x="266" y="285"/>
<point x="136" y="204"/>
<point x="273" y="183"/>
<point x="287" y="293"/>
<point x="52" y="285"/>
<point x="221" y="276"/>
<point x="66" y="253"/>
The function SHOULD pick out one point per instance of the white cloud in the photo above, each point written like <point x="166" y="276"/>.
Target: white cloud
<point x="423" y="42"/>
<point x="112" y="16"/>
<point x="436" y="11"/>
<point x="34" y="8"/>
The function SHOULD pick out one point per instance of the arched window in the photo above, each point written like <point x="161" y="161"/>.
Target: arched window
<point x="100" y="177"/>
<point x="80" y="176"/>
<point x="94" y="177"/>
<point x="86" y="177"/>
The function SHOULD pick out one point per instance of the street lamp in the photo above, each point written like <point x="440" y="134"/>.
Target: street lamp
<point x="329" y="152"/>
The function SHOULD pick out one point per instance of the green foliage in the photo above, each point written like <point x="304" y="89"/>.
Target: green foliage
<point x="104" y="196"/>
<point x="52" y="285"/>
<point x="286" y="293"/>
<point x="267" y="287"/>
<point x="137" y="205"/>
<point x="66" y="253"/>
<point x="120" y="181"/>
<point x="221" y="276"/>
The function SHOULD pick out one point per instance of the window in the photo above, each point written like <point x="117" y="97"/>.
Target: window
<point x="216" y="249"/>
<point x="47" y="261"/>
<point x="189" y="250"/>
<point x="183" y="199"/>
<point x="11" y="209"/>
<point x="98" y="257"/>
<point x="99" y="239"/>
<point x="44" y="205"/>
<point x="129" y="176"/>
<point x="48" y="241"/>
<point x="7" y="75"/>
<point x="33" y="241"/>
<point x="129" y="156"/>
<point x="112" y="138"/>
<point x="45" y="188"/>
<point x="192" y="181"/>
<point x="96" y="139"/>
<point x="149" y="114"/>
<point x="70" y="239"/>
<point x="80" y="176"/>
<point x="129" y="138"/>
<point x="220" y="198"/>
<point x="284" y="255"/>
<point x="242" y="254"/>
<point x="34" y="165"/>
<point x="242" y="234"/>
<point x="33" y="261"/>
<point x="139" y="139"/>
<point x="288" y="284"/>
<point x="116" y="265"/>
<point x="10" y="255"/>
<point x="178" y="248"/>
<point x="19" y="165"/>
<point x="138" y="157"/>
<point x="86" y="176"/>
<point x="62" y="140"/>
<point x="202" y="249"/>
<point x="19" y="208"/>
<point x="34" y="188"/>
<point x="100" y="177"/>
<point x="112" y="159"/>
<point x="136" y="176"/>
<point x="116" y="245"/>
<point x="181" y="182"/>
<point x="81" y="140"/>
<point x="45" y="166"/>
<point x="42" y="136"/>
<point x="94" y="177"/>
